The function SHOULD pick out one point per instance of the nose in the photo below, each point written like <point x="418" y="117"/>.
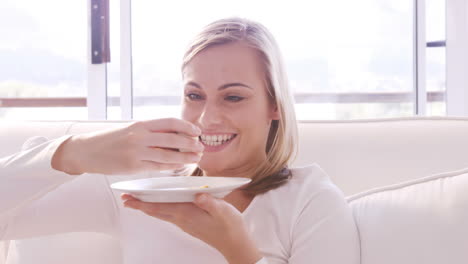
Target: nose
<point x="211" y="115"/>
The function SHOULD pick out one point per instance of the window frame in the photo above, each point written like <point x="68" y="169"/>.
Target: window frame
<point x="419" y="57"/>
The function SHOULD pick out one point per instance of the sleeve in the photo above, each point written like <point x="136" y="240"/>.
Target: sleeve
<point x="325" y="231"/>
<point x="37" y="200"/>
<point x="262" y="261"/>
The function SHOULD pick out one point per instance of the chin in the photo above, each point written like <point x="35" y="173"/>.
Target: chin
<point x="210" y="165"/>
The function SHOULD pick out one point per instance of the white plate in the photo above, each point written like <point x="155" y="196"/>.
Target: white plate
<point x="178" y="189"/>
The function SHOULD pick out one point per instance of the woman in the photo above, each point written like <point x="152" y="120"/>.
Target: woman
<point x="236" y="101"/>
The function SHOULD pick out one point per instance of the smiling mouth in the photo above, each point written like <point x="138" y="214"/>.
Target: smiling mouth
<point x="216" y="140"/>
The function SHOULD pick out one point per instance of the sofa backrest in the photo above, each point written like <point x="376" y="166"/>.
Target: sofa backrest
<point x="358" y="155"/>
<point x="365" y="154"/>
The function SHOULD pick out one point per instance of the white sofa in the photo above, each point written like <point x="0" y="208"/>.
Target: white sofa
<point x="404" y="178"/>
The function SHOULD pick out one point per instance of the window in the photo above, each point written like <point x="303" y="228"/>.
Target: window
<point x="43" y="59"/>
<point x="345" y="60"/>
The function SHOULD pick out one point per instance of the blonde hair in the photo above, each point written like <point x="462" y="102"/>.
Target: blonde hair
<point x="283" y="136"/>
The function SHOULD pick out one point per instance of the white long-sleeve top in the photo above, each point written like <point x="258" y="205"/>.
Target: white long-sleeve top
<point x="306" y="221"/>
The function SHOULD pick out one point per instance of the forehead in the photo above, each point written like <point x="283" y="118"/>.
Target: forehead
<point x="233" y="62"/>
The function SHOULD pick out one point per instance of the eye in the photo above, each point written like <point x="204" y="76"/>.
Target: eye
<point x="193" y="96"/>
<point x="234" y="98"/>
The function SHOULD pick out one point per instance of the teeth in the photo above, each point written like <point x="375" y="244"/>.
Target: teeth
<point x="215" y="140"/>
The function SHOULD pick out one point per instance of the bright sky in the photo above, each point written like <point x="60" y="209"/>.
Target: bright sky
<point x="340" y="37"/>
<point x="53" y="25"/>
<point x="333" y="45"/>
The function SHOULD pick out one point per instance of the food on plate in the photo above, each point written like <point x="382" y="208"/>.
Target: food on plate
<point x="201" y="187"/>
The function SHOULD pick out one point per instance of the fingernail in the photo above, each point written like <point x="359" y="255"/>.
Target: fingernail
<point x="202" y="198"/>
<point x="196" y="130"/>
<point x="200" y="147"/>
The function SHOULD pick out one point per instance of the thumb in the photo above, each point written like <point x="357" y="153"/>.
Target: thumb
<point x="208" y="203"/>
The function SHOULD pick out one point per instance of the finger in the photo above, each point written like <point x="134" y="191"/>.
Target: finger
<point x="157" y="166"/>
<point x="172" y="125"/>
<point x="151" y="209"/>
<point x="127" y="197"/>
<point x="181" y="214"/>
<point x="173" y="209"/>
<point x="166" y="211"/>
<point x="169" y="156"/>
<point x="164" y="217"/>
<point x="208" y="203"/>
<point x="174" y="141"/>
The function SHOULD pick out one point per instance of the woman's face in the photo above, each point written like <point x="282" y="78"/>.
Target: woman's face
<point x="225" y="95"/>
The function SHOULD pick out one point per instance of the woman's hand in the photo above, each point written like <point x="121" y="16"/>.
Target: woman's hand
<point x="140" y="146"/>
<point x="211" y="220"/>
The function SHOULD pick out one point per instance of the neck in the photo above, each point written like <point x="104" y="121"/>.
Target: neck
<point x="245" y="171"/>
<point x="239" y="199"/>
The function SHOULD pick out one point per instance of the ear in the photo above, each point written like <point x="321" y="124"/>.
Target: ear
<point x="274" y="115"/>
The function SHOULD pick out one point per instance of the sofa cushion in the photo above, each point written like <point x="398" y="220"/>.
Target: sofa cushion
<point x="420" y="221"/>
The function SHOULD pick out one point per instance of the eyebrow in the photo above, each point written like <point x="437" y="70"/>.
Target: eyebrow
<point x="222" y="87"/>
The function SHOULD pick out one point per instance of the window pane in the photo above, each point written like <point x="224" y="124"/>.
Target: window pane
<point x="332" y="47"/>
<point x="44" y="113"/>
<point x="330" y="111"/>
<point x="43" y="54"/>
<point x="435" y="58"/>
<point x="435" y="81"/>
<point x="435" y="20"/>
